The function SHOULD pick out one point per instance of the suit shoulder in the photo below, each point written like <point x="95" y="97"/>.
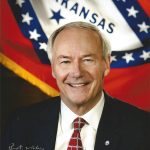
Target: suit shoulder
<point x="127" y="109"/>
<point x="35" y="110"/>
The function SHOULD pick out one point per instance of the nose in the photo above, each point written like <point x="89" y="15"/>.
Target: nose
<point x="76" y="70"/>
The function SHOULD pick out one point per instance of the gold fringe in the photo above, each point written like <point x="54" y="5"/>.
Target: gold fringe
<point x="27" y="76"/>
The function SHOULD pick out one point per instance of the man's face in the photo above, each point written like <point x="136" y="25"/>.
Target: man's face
<point x="78" y="67"/>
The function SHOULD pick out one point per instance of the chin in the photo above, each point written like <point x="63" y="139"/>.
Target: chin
<point x="78" y="99"/>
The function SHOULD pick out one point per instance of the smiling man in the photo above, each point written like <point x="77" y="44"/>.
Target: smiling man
<point x="79" y="67"/>
<point x="84" y="117"/>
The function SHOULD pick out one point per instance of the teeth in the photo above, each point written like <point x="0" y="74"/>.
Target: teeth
<point x="76" y="85"/>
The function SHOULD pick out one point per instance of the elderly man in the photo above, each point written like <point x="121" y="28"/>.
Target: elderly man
<point x="84" y="117"/>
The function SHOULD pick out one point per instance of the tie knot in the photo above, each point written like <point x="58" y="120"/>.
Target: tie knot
<point x="78" y="123"/>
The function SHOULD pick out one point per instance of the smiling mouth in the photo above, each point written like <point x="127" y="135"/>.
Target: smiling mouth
<point x="76" y="85"/>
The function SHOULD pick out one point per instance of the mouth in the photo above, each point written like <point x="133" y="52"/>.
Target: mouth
<point x="77" y="85"/>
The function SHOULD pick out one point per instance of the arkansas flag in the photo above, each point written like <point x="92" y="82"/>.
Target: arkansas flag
<point x="27" y="24"/>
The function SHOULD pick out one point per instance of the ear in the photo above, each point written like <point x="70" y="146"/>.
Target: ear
<point x="107" y="66"/>
<point x="53" y="72"/>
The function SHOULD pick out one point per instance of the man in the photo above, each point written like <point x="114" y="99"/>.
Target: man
<point x="84" y="117"/>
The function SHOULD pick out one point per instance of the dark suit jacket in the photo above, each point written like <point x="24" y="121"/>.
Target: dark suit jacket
<point x="122" y="127"/>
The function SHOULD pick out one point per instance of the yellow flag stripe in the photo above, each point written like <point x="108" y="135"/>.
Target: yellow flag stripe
<point x="4" y="60"/>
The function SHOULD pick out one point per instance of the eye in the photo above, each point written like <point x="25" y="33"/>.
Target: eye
<point x="88" y="60"/>
<point x="65" y="62"/>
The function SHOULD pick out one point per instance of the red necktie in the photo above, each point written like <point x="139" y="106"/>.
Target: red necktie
<point x="75" y="140"/>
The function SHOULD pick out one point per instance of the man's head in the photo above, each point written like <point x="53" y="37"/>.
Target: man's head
<point x="80" y="60"/>
<point x="105" y="45"/>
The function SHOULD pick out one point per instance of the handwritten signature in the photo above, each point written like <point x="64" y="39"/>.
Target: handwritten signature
<point x="21" y="147"/>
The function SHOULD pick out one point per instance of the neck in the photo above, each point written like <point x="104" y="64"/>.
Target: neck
<point x="82" y="108"/>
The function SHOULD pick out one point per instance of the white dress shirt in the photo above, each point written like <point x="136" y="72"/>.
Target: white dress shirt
<point x="88" y="132"/>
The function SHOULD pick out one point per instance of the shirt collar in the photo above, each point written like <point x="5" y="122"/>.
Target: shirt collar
<point x="66" y="117"/>
<point x="92" y="117"/>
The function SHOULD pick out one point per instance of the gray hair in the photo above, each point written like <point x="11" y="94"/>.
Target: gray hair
<point x="105" y="45"/>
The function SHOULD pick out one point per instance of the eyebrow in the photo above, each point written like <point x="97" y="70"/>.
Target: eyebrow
<point x="64" y="56"/>
<point x="89" y="55"/>
<point x="69" y="57"/>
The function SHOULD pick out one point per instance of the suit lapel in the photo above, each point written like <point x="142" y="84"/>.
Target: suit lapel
<point x="107" y="134"/>
<point x="48" y="124"/>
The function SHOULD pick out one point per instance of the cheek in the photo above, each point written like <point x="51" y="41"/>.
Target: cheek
<point x="97" y="73"/>
<point x="60" y="74"/>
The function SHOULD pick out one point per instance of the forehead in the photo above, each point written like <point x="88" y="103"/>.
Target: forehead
<point x="78" y="35"/>
<point x="77" y="31"/>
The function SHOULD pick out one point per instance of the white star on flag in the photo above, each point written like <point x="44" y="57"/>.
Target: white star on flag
<point x="145" y="55"/>
<point x="43" y="46"/>
<point x="143" y="27"/>
<point x="26" y="18"/>
<point x="132" y="12"/>
<point x="34" y="35"/>
<point x="122" y="0"/>
<point x="128" y="57"/>
<point x="19" y="2"/>
<point x="113" y="58"/>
